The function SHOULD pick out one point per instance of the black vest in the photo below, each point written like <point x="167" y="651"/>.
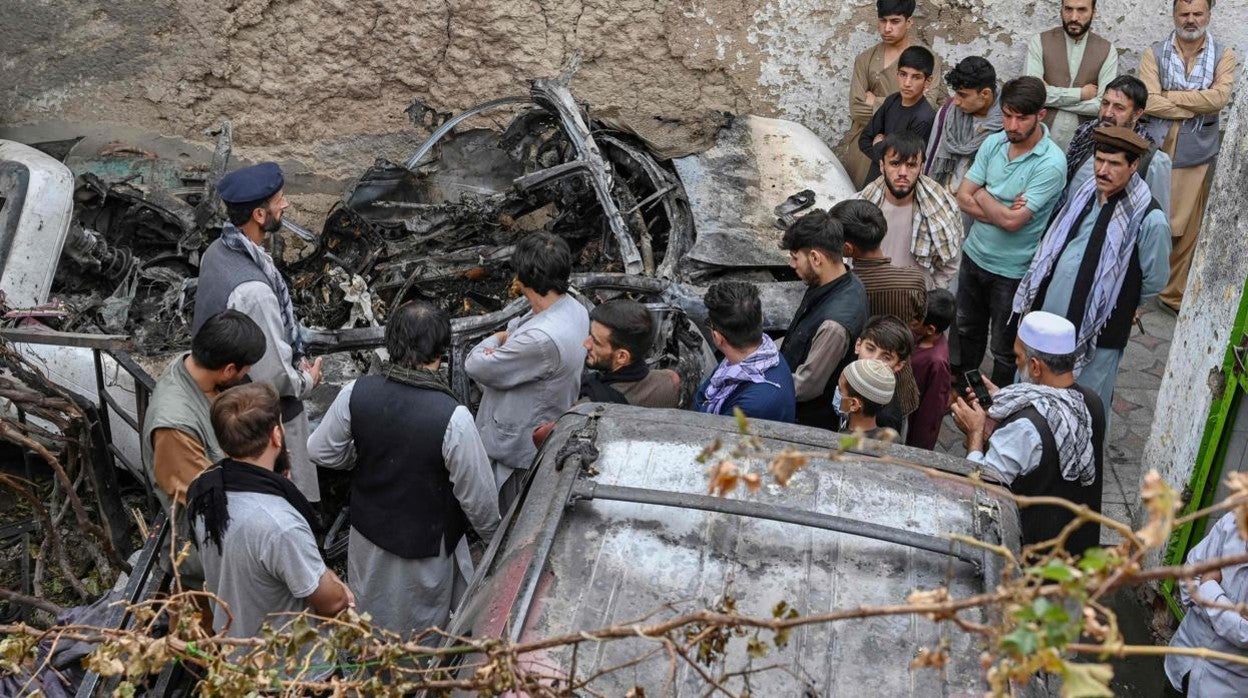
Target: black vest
<point x="401" y="494"/>
<point x="1041" y="523"/>
<point x="1117" y="329"/>
<point x="843" y="301"/>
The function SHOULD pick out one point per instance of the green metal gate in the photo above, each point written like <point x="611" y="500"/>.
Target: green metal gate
<point x="1223" y="446"/>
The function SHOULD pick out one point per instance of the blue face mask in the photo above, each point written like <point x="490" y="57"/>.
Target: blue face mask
<point x="836" y="405"/>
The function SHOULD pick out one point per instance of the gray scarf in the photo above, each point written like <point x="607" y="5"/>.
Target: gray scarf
<point x="234" y="239"/>
<point x="957" y="136"/>
<point x="421" y="378"/>
<point x="1129" y="209"/>
<point x="1067" y="415"/>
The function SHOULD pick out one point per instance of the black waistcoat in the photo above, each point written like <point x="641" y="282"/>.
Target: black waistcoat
<point x="1117" y="329"/>
<point x="1041" y="523"/>
<point x="843" y="301"/>
<point x="401" y="494"/>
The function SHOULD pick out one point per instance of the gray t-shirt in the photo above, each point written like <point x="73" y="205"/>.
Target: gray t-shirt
<point x="268" y="564"/>
<point x="898" y="241"/>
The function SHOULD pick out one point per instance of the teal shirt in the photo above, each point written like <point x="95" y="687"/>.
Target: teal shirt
<point x="1040" y="175"/>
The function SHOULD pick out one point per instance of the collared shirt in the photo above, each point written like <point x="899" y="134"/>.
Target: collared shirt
<point x="1066" y="99"/>
<point x="1040" y="176"/>
<point x="1218" y="629"/>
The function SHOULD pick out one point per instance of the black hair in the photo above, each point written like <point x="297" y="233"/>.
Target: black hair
<point x="630" y="324"/>
<point x="734" y="309"/>
<point x="815" y="230"/>
<point x="1057" y="363"/>
<point x="972" y="73"/>
<point x="240" y="213"/>
<point x="417" y="333"/>
<point x="889" y="8"/>
<point x="941" y="309"/>
<point x="906" y="144"/>
<point x="1108" y="149"/>
<point x="917" y="58"/>
<point x="863" y="223"/>
<point x="543" y="262"/>
<point x="869" y="408"/>
<point x="229" y="337"/>
<point x="1132" y="88"/>
<point x="889" y="334"/>
<point x="1024" y="95"/>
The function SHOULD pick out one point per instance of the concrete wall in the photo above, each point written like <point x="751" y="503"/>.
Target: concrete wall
<point x="325" y="82"/>
<point x="1193" y="375"/>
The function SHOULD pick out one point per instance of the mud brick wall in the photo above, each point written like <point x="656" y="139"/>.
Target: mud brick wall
<point x="325" y="82"/>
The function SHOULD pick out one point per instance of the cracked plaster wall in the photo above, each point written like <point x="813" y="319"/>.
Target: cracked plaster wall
<point x="1193" y="377"/>
<point x="325" y="82"/>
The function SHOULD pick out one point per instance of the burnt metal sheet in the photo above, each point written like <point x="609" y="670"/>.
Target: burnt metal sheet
<point x="734" y="187"/>
<point x="612" y="562"/>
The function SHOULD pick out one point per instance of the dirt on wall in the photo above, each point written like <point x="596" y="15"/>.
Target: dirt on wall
<point x="323" y="83"/>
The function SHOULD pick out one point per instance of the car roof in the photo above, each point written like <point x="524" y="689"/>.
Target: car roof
<point x="570" y="560"/>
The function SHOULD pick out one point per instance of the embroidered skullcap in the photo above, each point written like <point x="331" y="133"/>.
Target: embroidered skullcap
<point x="1121" y="138"/>
<point x="872" y="380"/>
<point x="255" y="183"/>
<point x="1046" y="332"/>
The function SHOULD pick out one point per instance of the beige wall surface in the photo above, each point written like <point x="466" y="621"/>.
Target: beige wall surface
<point x="325" y="82"/>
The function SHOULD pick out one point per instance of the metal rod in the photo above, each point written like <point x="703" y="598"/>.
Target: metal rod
<point x="454" y="121"/>
<point x="588" y="489"/>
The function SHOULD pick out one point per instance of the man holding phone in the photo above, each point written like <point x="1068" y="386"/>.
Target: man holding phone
<point x="1042" y="436"/>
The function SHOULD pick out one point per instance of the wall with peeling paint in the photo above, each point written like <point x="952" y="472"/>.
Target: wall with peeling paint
<point x="326" y="81"/>
<point x="1193" y="375"/>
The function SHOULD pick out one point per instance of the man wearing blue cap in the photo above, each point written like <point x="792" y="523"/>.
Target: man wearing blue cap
<point x="1048" y="432"/>
<point x="237" y="273"/>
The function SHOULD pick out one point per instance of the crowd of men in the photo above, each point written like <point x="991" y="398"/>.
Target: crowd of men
<point x="1031" y="220"/>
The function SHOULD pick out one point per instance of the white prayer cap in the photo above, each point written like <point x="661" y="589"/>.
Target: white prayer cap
<point x="1046" y="332"/>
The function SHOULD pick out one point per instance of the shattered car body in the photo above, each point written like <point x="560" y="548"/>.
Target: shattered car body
<point x="615" y="528"/>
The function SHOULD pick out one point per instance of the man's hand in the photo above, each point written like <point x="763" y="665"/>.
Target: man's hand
<point x="969" y="416"/>
<point x="1020" y="201"/>
<point x="1088" y="91"/>
<point x="313" y="368"/>
<point x="991" y="387"/>
<point x="501" y="337"/>
<point x="869" y="97"/>
<point x="879" y="137"/>
<point x="1212" y="576"/>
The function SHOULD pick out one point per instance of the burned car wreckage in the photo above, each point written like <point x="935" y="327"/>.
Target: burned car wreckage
<point x="440" y="226"/>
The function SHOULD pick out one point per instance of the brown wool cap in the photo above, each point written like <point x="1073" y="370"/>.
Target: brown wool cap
<point x="1120" y="137"/>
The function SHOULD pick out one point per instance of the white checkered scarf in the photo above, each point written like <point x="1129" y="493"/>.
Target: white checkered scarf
<point x="1173" y="73"/>
<point x="937" y="229"/>
<point x="1111" y="270"/>
<point x="1067" y="415"/>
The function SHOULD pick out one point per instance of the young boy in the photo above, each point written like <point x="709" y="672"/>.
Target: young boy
<point x="931" y="369"/>
<point x="885" y="339"/>
<point x="904" y="110"/>
<point x="866" y="386"/>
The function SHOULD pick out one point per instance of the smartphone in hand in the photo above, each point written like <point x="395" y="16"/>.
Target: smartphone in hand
<point x="975" y="382"/>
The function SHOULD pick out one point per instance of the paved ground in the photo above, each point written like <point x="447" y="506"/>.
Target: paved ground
<point x="1134" y="398"/>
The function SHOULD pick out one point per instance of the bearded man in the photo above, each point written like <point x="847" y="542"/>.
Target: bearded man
<point x="924" y="223"/>
<point x="1189" y="77"/>
<point x="237" y="273"/>
<point x="1075" y="64"/>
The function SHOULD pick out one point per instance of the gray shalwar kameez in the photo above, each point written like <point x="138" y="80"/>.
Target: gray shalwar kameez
<point x="404" y="595"/>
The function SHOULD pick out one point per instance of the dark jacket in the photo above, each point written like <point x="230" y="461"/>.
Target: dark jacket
<point x="759" y="400"/>
<point x="843" y="301"/>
